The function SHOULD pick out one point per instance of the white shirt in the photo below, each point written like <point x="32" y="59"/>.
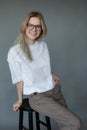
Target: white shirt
<point x="35" y="74"/>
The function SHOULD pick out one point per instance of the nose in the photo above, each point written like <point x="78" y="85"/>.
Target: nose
<point x="34" y="28"/>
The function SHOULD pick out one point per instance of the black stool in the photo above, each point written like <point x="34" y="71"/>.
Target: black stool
<point x="25" y="107"/>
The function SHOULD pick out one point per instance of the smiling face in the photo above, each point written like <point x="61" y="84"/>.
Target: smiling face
<point x="33" y="29"/>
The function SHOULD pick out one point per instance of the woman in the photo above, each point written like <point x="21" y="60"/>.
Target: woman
<point x="29" y="63"/>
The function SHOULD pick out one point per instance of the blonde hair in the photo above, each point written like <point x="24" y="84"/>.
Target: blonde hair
<point x="22" y="39"/>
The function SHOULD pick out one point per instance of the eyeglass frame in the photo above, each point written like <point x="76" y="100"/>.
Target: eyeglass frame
<point x="31" y="26"/>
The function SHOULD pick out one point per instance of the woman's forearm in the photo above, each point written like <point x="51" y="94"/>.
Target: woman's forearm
<point x="18" y="103"/>
<point x="19" y="87"/>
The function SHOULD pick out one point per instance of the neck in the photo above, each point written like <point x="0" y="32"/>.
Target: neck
<point x="30" y="42"/>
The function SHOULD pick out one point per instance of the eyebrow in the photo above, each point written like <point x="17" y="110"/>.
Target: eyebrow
<point x="34" y="24"/>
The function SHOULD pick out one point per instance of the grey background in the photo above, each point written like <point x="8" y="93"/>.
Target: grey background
<point x="67" y="42"/>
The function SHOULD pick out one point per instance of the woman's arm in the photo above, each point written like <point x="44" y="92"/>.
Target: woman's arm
<point x="19" y="87"/>
<point x="56" y="79"/>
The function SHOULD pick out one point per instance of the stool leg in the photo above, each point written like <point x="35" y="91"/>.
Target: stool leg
<point x="48" y="123"/>
<point x="20" y="119"/>
<point x="37" y="121"/>
<point x="30" y="118"/>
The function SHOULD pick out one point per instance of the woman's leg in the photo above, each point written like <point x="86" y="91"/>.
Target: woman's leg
<point x="46" y="104"/>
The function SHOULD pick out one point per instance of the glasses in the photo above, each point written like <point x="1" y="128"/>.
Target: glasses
<point x="37" y="27"/>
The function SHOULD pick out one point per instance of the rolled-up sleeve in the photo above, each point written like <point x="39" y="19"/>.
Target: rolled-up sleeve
<point x="15" y="68"/>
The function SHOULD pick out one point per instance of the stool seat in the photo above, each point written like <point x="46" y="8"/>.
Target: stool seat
<point x="26" y="107"/>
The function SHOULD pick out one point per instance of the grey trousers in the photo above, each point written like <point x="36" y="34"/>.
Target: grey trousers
<point x="52" y="104"/>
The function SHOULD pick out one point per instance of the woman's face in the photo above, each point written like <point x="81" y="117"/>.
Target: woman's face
<point x="33" y="29"/>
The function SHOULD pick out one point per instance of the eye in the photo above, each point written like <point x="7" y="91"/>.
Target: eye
<point x="30" y="26"/>
<point x="37" y="27"/>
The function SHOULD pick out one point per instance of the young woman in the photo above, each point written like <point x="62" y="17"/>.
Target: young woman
<point x="29" y="64"/>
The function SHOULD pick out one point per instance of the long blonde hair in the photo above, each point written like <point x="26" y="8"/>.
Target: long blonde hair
<point x="22" y="39"/>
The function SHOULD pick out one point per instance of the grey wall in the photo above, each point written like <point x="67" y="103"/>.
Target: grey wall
<point x="67" y="42"/>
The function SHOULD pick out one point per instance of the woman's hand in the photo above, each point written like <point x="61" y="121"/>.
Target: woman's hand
<point x="56" y="79"/>
<point x="17" y="105"/>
